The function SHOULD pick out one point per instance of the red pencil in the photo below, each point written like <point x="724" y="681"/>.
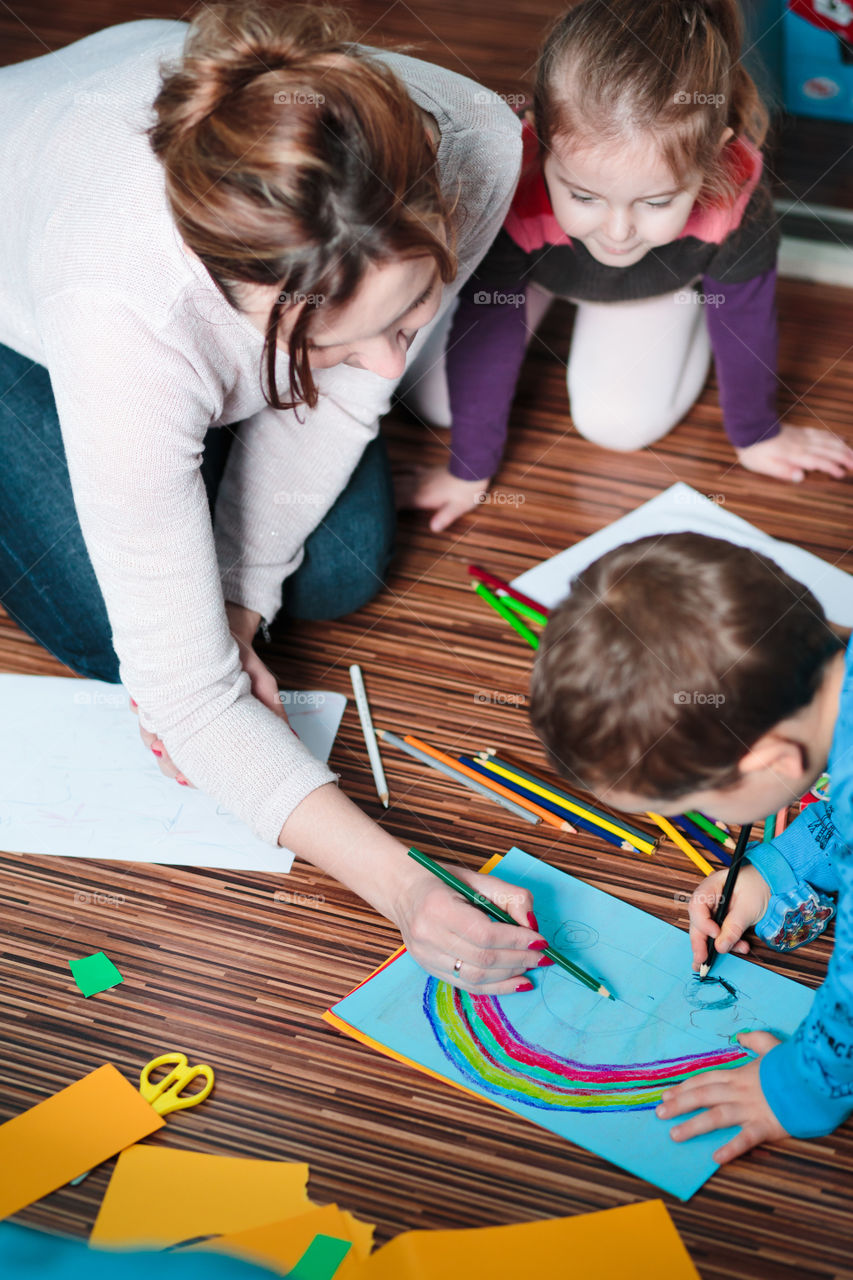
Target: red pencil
<point x="498" y="584"/>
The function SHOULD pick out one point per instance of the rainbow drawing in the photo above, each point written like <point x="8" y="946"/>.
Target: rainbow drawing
<point x="475" y="1035"/>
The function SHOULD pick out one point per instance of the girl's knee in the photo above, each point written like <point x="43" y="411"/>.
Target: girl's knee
<point x="621" y="429"/>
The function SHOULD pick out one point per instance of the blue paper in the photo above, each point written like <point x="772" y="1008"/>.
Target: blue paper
<point x="587" y="1068"/>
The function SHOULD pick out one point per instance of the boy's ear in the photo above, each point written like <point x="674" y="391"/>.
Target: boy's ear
<point x="776" y="754"/>
<point x="725" y="136"/>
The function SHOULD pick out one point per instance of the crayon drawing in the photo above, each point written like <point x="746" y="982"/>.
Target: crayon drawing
<point x="589" y="1069"/>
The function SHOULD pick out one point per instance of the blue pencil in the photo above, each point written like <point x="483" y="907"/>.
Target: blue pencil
<point x="576" y="821"/>
<point x="698" y="835"/>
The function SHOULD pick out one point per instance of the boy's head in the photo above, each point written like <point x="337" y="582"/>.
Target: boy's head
<point x="683" y="672"/>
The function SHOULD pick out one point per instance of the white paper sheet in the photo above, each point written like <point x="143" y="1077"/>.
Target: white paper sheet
<point x="77" y="782"/>
<point x="681" y="508"/>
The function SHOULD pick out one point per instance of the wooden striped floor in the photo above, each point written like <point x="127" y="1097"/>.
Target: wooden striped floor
<point x="236" y="969"/>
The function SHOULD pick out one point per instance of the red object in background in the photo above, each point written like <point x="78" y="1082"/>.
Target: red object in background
<point x="829" y="15"/>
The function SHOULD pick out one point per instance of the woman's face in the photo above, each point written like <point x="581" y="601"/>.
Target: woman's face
<point x="619" y="200"/>
<point x="374" y="330"/>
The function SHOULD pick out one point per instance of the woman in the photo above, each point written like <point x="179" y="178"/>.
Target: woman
<point x="260" y="249"/>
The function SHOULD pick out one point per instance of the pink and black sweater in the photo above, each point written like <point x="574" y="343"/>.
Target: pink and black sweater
<point x="732" y="250"/>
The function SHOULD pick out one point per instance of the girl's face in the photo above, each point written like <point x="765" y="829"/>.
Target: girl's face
<point x="620" y="200"/>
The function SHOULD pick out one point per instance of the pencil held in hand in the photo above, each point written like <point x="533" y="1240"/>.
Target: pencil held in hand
<point x="369" y="733"/>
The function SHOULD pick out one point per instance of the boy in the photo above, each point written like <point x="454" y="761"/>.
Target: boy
<point x="684" y="672"/>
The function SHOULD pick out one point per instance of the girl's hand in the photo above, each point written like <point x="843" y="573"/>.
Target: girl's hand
<point x="729" y="1098"/>
<point x="435" y="489"/>
<point x="749" y="903"/>
<point x="796" y="450"/>
<point x="243" y="624"/>
<point x="440" y="928"/>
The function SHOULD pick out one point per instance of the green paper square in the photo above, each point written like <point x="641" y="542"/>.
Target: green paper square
<point x="95" y="973"/>
<point x="322" y="1258"/>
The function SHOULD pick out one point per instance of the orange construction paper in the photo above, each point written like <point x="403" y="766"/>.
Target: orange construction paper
<point x="161" y="1196"/>
<point x="630" y="1243"/>
<point x="68" y="1134"/>
<point x="280" y="1245"/>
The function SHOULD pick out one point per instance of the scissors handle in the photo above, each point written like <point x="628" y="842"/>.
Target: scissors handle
<point x="168" y="1094"/>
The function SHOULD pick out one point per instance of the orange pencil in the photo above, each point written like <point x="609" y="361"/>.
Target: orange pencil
<point x="544" y="814"/>
<point x="781" y="821"/>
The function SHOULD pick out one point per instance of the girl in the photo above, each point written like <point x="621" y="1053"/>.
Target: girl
<point x="642" y="199"/>
<point x="255" y="239"/>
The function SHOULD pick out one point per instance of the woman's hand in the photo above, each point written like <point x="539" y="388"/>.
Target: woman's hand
<point x="435" y="489"/>
<point x="243" y="623"/>
<point x="796" y="450"/>
<point x="725" y="1099"/>
<point x="748" y="904"/>
<point x="440" y="929"/>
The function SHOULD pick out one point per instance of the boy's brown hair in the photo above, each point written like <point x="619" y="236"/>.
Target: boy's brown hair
<point x="671" y="657"/>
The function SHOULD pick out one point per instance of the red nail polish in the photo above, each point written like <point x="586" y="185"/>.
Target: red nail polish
<point x="544" y="961"/>
<point x="524" y="986"/>
<point x="132" y="703"/>
<point x="182" y="782"/>
<point x="531" y="920"/>
<point x="156" y="752"/>
<point x="538" y="945"/>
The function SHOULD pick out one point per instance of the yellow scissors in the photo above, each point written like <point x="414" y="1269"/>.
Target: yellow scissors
<point x="168" y="1094"/>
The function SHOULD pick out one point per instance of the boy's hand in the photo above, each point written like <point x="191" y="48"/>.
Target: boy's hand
<point x="796" y="450"/>
<point x="729" y="1098"/>
<point x="435" y="489"/>
<point x="749" y="903"/>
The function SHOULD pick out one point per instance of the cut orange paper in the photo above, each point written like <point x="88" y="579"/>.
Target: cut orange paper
<point x="68" y="1134"/>
<point x="161" y="1196"/>
<point x="280" y="1245"/>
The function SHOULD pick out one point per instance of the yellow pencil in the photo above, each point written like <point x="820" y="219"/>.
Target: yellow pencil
<point x="684" y="845"/>
<point x="645" y="846"/>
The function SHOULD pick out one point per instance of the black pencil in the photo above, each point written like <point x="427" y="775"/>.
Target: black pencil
<point x="728" y="890"/>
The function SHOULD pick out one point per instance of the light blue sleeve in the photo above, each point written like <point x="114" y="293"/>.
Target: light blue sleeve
<point x="801" y="868"/>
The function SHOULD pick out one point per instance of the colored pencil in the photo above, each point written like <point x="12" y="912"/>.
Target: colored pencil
<point x="490" y="793"/>
<point x="550" y="813"/>
<point x="769" y="828"/>
<point x="498" y="584"/>
<point x="714" y="830"/>
<point x="728" y="890"/>
<point x="577" y="824"/>
<point x="506" y="613"/>
<point x="631" y="831"/>
<point x="696" y="834"/>
<point x="684" y="845"/>
<point x="574" y="807"/>
<point x="497" y="913"/>
<point x="442" y="757"/>
<point x="781" y="821"/>
<point x="518" y="606"/>
<point x="369" y="732"/>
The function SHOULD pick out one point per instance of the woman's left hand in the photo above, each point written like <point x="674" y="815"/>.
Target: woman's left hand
<point x="730" y="1098"/>
<point x="243" y="624"/>
<point x="435" y="489"/>
<point x="796" y="450"/>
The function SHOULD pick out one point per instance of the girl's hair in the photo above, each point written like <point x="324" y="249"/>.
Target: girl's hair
<point x="671" y="657"/>
<point x="294" y="159"/>
<point x="669" y="69"/>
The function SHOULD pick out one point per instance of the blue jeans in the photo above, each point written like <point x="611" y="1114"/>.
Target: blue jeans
<point x="47" y="583"/>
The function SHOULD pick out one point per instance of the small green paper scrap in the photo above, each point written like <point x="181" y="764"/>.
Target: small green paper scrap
<point x="95" y="973"/>
<point x="322" y="1258"/>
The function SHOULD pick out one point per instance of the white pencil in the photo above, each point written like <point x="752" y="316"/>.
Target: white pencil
<point x="369" y="733"/>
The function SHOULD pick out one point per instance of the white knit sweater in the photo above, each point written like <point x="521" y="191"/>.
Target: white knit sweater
<point x="145" y="355"/>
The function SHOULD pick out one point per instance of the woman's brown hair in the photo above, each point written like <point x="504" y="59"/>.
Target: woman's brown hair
<point x="671" y="657"/>
<point x="667" y="69"/>
<point x="294" y="159"/>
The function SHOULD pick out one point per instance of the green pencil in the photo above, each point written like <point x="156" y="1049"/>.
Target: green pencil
<point x="518" y="606"/>
<point x="506" y="613"/>
<point x="498" y="913"/>
<point x="710" y="828"/>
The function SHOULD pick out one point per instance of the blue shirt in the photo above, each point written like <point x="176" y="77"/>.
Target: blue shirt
<point x="808" y="1080"/>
